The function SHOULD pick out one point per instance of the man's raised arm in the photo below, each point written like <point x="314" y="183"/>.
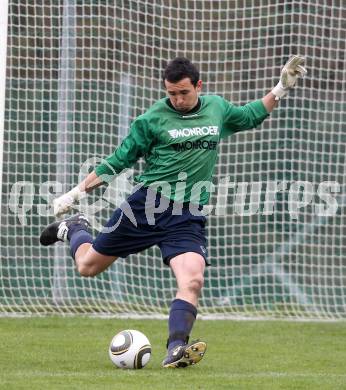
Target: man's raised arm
<point x="293" y="69"/>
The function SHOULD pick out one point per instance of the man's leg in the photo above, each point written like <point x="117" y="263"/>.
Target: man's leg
<point x="75" y="231"/>
<point x="188" y="269"/>
<point x="89" y="262"/>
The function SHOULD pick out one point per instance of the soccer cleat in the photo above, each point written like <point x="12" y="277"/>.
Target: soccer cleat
<point x="57" y="231"/>
<point x="185" y="355"/>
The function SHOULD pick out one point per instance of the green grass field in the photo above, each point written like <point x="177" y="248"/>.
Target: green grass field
<point x="72" y="353"/>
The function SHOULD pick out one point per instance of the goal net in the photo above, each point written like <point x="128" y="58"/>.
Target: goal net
<point x="78" y="72"/>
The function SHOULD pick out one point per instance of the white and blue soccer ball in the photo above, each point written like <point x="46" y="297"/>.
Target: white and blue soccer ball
<point x="130" y="349"/>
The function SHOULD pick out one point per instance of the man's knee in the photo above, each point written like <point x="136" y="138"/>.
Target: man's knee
<point x="195" y="284"/>
<point x="93" y="263"/>
<point x="87" y="269"/>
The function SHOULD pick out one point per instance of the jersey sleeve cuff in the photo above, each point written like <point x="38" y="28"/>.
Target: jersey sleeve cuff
<point x="104" y="171"/>
<point x="262" y="111"/>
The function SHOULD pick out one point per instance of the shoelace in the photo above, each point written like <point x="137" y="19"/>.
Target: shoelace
<point x="62" y="231"/>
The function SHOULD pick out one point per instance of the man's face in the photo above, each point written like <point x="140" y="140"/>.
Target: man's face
<point x="183" y="94"/>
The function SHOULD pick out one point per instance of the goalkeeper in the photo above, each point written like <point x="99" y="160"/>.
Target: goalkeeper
<point x="178" y="137"/>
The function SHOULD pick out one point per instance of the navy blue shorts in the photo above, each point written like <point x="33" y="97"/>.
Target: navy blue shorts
<point x="174" y="234"/>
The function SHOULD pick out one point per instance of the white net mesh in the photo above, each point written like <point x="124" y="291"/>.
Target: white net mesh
<point x="77" y="73"/>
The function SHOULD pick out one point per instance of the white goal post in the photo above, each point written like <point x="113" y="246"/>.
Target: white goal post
<point x="74" y="74"/>
<point x="3" y="51"/>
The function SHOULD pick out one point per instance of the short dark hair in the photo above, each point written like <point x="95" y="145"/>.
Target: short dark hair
<point x="179" y="69"/>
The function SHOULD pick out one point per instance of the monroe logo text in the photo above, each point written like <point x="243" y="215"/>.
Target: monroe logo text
<point x="191" y="131"/>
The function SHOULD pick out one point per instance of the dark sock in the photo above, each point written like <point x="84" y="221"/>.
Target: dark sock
<point x="181" y="319"/>
<point x="77" y="238"/>
<point x="77" y="227"/>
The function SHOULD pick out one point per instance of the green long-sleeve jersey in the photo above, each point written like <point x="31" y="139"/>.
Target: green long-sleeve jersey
<point x="174" y="143"/>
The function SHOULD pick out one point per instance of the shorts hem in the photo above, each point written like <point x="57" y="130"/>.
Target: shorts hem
<point x="168" y="258"/>
<point x="101" y="251"/>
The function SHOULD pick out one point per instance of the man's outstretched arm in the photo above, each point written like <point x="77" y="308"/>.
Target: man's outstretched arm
<point x="293" y="69"/>
<point x="65" y="202"/>
<point x="252" y="114"/>
<point x="135" y="145"/>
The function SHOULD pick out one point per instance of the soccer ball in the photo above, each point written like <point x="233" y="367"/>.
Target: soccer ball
<point x="130" y="349"/>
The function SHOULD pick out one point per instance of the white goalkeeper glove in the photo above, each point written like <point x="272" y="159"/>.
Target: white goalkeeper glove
<point x="292" y="70"/>
<point x="64" y="203"/>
